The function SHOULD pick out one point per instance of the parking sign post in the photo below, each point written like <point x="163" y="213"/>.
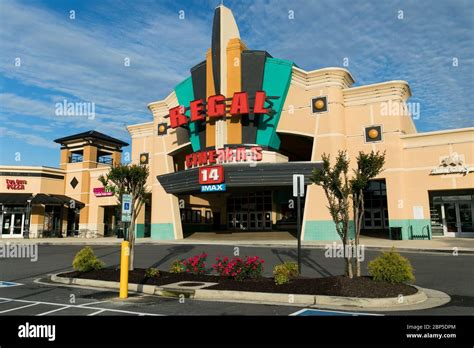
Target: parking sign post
<point x="125" y="250"/>
<point x="298" y="192"/>
<point x="126" y="212"/>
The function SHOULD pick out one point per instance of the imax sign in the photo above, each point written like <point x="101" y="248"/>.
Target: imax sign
<point x="213" y="188"/>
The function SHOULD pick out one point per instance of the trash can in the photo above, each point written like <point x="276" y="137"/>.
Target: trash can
<point x="396" y="233"/>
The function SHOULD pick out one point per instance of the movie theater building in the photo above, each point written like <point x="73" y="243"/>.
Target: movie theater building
<point x="223" y="145"/>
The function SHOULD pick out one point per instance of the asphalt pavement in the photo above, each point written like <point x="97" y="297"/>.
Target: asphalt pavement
<point x="33" y="295"/>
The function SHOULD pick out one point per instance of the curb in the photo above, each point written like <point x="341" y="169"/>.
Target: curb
<point x="460" y="251"/>
<point x="390" y="303"/>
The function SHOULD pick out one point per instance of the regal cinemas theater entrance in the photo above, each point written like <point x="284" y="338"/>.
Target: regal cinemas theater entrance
<point x="249" y="211"/>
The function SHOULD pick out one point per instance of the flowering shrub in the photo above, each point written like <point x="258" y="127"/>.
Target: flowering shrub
<point x="285" y="272"/>
<point x="195" y="264"/>
<point x="239" y="269"/>
<point x="177" y="267"/>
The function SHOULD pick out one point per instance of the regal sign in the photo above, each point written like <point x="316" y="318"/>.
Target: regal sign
<point x="225" y="155"/>
<point x="216" y="107"/>
<point x="16" y="184"/>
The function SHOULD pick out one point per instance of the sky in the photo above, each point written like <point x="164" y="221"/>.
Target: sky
<point x="121" y="55"/>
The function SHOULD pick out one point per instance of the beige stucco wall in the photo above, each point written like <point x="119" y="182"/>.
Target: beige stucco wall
<point x="410" y="156"/>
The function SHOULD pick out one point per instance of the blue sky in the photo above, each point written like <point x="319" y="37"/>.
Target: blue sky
<point x="82" y="60"/>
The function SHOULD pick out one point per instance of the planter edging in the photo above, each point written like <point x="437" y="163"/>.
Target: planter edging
<point x="257" y="297"/>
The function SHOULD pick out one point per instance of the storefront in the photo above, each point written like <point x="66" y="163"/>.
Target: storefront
<point x="452" y="213"/>
<point x="223" y="145"/>
<point x="42" y="202"/>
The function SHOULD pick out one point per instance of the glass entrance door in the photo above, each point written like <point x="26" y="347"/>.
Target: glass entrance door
<point x="12" y="225"/>
<point x="465" y="221"/>
<point x="458" y="217"/>
<point x="451" y="217"/>
<point x="7" y="224"/>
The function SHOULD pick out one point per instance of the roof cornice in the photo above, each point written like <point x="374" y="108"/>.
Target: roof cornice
<point x="326" y="77"/>
<point x="390" y="90"/>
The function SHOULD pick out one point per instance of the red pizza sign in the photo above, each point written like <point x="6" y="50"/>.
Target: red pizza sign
<point x="16" y="184"/>
<point x="211" y="175"/>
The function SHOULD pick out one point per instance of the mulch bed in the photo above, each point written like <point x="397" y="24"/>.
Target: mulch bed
<point x="331" y="286"/>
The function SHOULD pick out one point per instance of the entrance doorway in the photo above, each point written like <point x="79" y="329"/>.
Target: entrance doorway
<point x="452" y="214"/>
<point x="12" y="225"/>
<point x="250" y="211"/>
<point x="376" y="221"/>
<point x="110" y="220"/>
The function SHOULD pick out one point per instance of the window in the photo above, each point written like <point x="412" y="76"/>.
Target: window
<point x="191" y="216"/>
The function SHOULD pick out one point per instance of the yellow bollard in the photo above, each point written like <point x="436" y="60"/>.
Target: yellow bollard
<point x="124" y="256"/>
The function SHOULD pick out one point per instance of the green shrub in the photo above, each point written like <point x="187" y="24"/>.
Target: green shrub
<point x="85" y="261"/>
<point x="152" y="272"/>
<point x="177" y="267"/>
<point x="391" y="267"/>
<point x="285" y="272"/>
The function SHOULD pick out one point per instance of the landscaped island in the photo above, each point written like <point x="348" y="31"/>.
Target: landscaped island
<point x="388" y="276"/>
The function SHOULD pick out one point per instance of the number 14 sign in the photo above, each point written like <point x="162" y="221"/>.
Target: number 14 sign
<point x="211" y="175"/>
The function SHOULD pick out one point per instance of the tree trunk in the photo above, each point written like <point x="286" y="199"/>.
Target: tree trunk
<point x="348" y="260"/>
<point x="360" y="216"/>
<point x="356" y="239"/>
<point x="131" y="238"/>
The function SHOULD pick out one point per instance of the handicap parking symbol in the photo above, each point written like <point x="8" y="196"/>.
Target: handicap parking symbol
<point x="8" y="284"/>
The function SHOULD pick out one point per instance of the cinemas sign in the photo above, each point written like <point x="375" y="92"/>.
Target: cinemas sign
<point x="225" y="155"/>
<point x="217" y="105"/>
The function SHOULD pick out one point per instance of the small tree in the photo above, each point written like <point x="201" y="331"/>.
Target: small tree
<point x="129" y="179"/>
<point x="368" y="167"/>
<point x="337" y="189"/>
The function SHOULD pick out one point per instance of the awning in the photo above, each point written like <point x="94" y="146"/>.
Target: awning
<point x="40" y="198"/>
<point x="259" y="175"/>
<point x="14" y="198"/>
<point x="50" y="199"/>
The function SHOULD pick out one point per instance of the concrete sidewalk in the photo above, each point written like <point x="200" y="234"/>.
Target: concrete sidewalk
<point x="464" y="245"/>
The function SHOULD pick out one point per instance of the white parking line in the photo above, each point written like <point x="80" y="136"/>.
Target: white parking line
<point x="54" y="310"/>
<point x="14" y="309"/>
<point x="91" y="303"/>
<point x="332" y="311"/>
<point x="33" y="303"/>
<point x="102" y="310"/>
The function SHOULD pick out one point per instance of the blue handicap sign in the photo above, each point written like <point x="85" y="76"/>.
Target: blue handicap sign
<point x="320" y="312"/>
<point x="8" y="284"/>
<point x="126" y="206"/>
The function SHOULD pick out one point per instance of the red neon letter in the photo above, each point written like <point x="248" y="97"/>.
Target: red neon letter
<point x="240" y="104"/>
<point x="189" y="161"/>
<point x="177" y="117"/>
<point x="212" y="156"/>
<point x="259" y="106"/>
<point x="197" y="110"/>
<point x="257" y="153"/>
<point x="241" y="154"/>
<point x="216" y="106"/>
